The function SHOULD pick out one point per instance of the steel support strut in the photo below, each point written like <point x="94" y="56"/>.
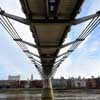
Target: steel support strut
<point x="19" y="19"/>
<point x="47" y="92"/>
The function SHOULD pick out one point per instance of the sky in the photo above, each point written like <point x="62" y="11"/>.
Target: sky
<point x="84" y="61"/>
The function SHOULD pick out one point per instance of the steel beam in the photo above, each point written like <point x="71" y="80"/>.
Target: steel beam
<point x="80" y="20"/>
<point x="61" y="54"/>
<point x="67" y="44"/>
<point x="44" y="46"/>
<point x="30" y="44"/>
<point x="38" y="68"/>
<point x="32" y="59"/>
<point x="19" y="19"/>
<point x="27" y="51"/>
<point x="66" y="21"/>
<point x="59" y="60"/>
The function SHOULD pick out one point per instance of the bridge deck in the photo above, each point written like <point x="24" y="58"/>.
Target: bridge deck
<point x="50" y="36"/>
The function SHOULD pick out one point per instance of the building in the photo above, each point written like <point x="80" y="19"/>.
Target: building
<point x="36" y="84"/>
<point x="31" y="77"/>
<point x="70" y="83"/>
<point x="98" y="83"/>
<point x="23" y="84"/>
<point x="15" y="78"/>
<point x="56" y="83"/>
<point x="93" y="83"/>
<point x="59" y="83"/>
<point x="4" y="84"/>
<point x="63" y="83"/>
<point x="76" y="83"/>
<point x="80" y="83"/>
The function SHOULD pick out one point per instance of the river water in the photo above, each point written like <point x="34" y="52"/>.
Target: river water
<point x="26" y="95"/>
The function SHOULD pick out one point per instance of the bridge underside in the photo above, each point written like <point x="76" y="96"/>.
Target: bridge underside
<point x="47" y="32"/>
<point x="50" y="21"/>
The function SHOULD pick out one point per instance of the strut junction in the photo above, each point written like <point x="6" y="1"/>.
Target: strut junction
<point x="50" y="22"/>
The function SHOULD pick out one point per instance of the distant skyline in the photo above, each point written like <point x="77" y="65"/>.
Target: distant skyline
<point x="84" y="61"/>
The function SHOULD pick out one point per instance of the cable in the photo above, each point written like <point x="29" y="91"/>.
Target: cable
<point x="89" y="28"/>
<point x="10" y="26"/>
<point x="13" y="33"/>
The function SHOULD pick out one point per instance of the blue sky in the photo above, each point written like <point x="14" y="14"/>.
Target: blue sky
<point x="84" y="61"/>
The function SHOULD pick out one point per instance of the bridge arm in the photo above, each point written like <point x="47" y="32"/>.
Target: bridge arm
<point x="46" y="46"/>
<point x="33" y="59"/>
<point x="68" y="22"/>
<point x="38" y="68"/>
<point x="19" y="19"/>
<point x="27" y="51"/>
<point x="30" y="44"/>
<point x="65" y="45"/>
<point x="80" y="20"/>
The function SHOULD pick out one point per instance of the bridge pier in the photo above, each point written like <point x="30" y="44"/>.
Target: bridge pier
<point x="47" y="92"/>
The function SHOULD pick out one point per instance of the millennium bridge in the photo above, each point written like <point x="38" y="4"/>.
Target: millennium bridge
<point x="50" y="22"/>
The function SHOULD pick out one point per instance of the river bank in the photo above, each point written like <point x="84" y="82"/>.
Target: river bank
<point x="39" y="90"/>
<point x="35" y="94"/>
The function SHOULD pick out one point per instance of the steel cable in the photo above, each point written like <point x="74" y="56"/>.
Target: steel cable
<point x="89" y="28"/>
<point x="13" y="33"/>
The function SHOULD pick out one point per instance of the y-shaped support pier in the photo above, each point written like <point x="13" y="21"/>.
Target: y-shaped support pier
<point x="47" y="92"/>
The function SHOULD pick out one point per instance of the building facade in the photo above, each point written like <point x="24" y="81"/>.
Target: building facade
<point x="93" y="83"/>
<point x="15" y="78"/>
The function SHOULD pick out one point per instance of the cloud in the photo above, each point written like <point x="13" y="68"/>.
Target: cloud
<point x="62" y="70"/>
<point x="95" y="46"/>
<point x="79" y="63"/>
